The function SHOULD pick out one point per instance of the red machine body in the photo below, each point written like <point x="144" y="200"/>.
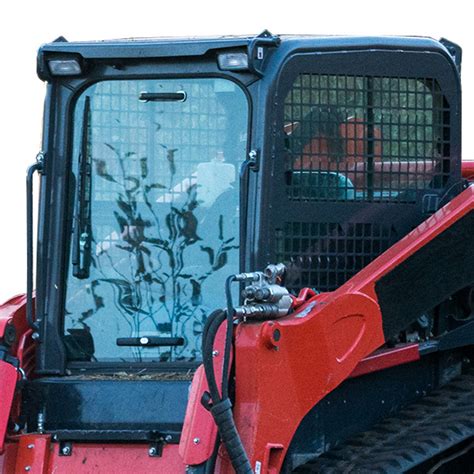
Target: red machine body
<point x="344" y="147"/>
<point x="39" y="455"/>
<point x="326" y="340"/>
<point x="276" y="358"/>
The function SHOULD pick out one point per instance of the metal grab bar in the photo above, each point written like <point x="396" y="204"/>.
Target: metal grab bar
<point x="36" y="167"/>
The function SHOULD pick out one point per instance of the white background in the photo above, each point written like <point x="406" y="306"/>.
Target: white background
<point x="24" y="25"/>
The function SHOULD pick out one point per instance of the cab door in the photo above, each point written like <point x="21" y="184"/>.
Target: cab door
<point x="367" y="147"/>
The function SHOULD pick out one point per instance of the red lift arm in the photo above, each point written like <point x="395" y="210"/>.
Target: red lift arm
<point x="284" y="368"/>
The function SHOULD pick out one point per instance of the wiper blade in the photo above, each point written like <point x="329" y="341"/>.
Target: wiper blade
<point x="179" y="96"/>
<point x="150" y="341"/>
<point x="81" y="250"/>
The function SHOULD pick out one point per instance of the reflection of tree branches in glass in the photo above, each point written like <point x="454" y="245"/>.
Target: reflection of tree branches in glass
<point x="153" y="281"/>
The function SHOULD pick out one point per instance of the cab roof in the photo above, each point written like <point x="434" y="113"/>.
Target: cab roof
<point x="143" y="48"/>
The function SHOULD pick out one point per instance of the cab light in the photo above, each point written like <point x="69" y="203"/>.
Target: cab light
<point x="64" y="67"/>
<point x="233" y="61"/>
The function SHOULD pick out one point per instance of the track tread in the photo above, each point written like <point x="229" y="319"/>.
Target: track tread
<point x="435" y="423"/>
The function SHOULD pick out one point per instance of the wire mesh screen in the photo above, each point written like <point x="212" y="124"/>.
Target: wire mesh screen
<point x="176" y="135"/>
<point x="324" y="255"/>
<point x="365" y="138"/>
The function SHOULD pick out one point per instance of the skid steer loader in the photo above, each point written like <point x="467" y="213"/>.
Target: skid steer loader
<point x="253" y="254"/>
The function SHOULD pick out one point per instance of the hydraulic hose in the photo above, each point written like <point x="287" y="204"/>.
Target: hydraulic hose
<point x="228" y="337"/>
<point x="220" y="406"/>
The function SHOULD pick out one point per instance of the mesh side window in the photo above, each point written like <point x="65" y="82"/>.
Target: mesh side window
<point x="324" y="255"/>
<point x="365" y="138"/>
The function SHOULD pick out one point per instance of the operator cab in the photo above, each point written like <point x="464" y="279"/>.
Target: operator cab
<point x="171" y="164"/>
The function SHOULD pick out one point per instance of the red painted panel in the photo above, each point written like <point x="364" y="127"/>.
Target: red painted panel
<point x="8" y="379"/>
<point x="33" y="454"/>
<point x="41" y="456"/>
<point x="199" y="431"/>
<point x="386" y="358"/>
<point x="8" y="458"/>
<point x="14" y="312"/>
<point x="281" y="380"/>
<point x="467" y="169"/>
<point x="8" y="311"/>
<point x="116" y="459"/>
<point x="278" y="382"/>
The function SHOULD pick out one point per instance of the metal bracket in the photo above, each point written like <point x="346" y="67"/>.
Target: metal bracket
<point x="256" y="50"/>
<point x="454" y="50"/>
<point x="155" y="449"/>
<point x="40" y="162"/>
<point x="430" y="203"/>
<point x="5" y="356"/>
<point x="254" y="160"/>
<point x="65" y="448"/>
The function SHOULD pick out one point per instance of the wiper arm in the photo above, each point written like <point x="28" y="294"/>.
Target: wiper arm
<point x="81" y="250"/>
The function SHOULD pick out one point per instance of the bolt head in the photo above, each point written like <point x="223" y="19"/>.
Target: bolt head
<point x="215" y="353"/>
<point x="152" y="451"/>
<point x="30" y="446"/>
<point x="196" y="440"/>
<point x="27" y="468"/>
<point x="168" y="438"/>
<point x="66" y="450"/>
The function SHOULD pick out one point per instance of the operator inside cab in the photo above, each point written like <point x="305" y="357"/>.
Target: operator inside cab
<point x="335" y="152"/>
<point x="332" y="147"/>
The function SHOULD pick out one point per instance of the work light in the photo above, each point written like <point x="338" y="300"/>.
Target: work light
<point x="233" y="61"/>
<point x="64" y="67"/>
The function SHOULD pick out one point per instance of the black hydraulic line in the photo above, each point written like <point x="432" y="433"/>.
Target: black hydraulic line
<point x="223" y="416"/>
<point x="210" y="330"/>
<point x="36" y="167"/>
<point x="220" y="406"/>
<point x="211" y="462"/>
<point x="228" y="338"/>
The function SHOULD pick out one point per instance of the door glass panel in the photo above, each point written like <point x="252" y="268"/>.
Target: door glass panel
<point x="156" y="215"/>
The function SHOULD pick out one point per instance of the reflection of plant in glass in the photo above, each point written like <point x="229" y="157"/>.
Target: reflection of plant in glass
<point x="155" y="286"/>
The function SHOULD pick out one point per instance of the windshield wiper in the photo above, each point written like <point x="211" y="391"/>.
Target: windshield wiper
<point x="150" y="341"/>
<point x="81" y="250"/>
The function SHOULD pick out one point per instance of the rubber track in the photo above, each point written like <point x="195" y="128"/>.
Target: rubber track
<point x="418" y="432"/>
